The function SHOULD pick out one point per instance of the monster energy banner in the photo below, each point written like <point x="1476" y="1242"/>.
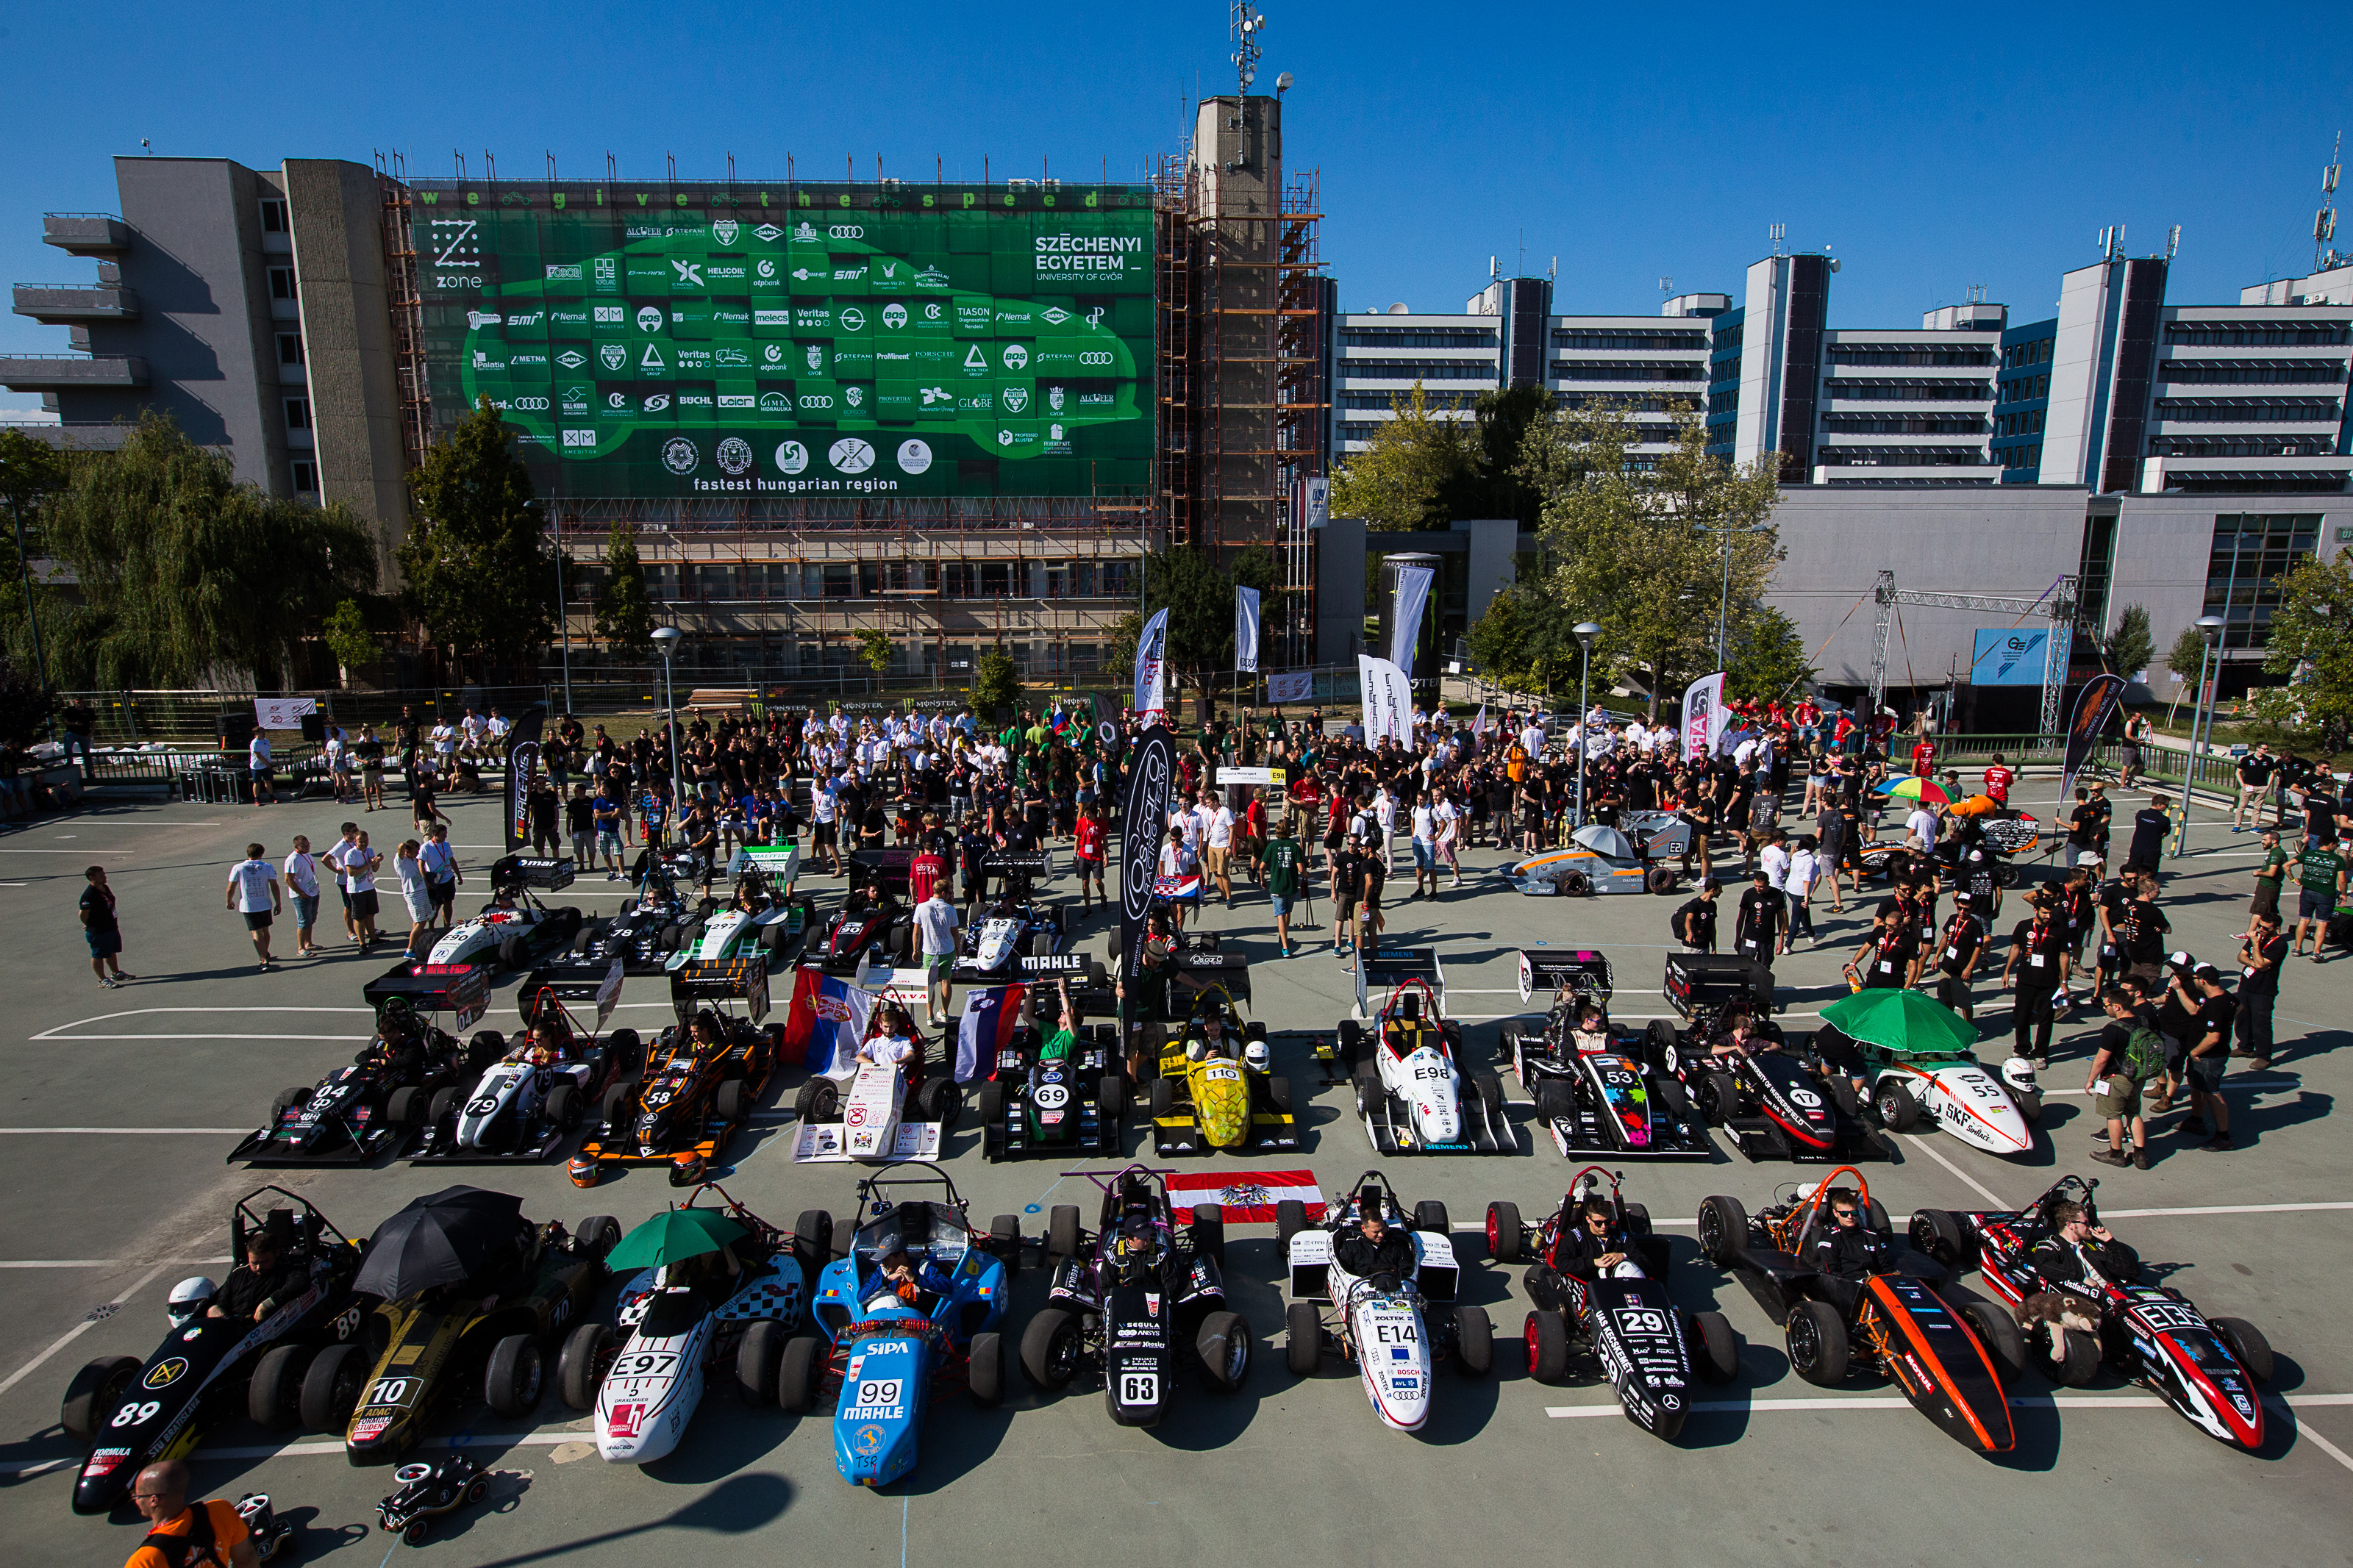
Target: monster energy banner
<point x="522" y="768"/>
<point x="1150" y="770"/>
<point x="2094" y="706"/>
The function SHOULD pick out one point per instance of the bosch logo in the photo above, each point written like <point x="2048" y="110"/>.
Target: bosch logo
<point x="539" y="403"/>
<point x="1095" y="356"/>
<point x="846" y="231"/>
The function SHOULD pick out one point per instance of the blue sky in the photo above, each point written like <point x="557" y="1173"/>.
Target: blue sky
<point x="1931" y="150"/>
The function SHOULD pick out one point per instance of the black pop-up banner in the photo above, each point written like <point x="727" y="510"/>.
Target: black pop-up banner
<point x="1150" y="770"/>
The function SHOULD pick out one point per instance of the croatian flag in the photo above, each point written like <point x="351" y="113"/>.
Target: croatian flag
<point x="1247" y="1197"/>
<point x="1180" y="889"/>
<point x="991" y="1015"/>
<point x="827" y="1022"/>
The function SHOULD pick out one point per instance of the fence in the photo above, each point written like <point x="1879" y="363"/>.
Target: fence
<point x="2163" y="765"/>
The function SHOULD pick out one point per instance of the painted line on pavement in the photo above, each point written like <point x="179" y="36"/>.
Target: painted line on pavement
<point x="27" y="1468"/>
<point x="84" y="1039"/>
<point x="1897" y="1402"/>
<point x="1687" y="1222"/>
<point x="145" y="1012"/>
<point x="62" y="1340"/>
<point x="1929" y="1148"/>
<point x="100" y="1262"/>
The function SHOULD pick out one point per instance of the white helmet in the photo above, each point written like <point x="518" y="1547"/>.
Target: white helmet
<point x="2017" y="1073"/>
<point x="1195" y="1048"/>
<point x="189" y="1299"/>
<point x="1256" y="1057"/>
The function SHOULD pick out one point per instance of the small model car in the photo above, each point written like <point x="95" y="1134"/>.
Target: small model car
<point x="130" y="1415"/>
<point x="866" y="927"/>
<point x="1902" y="1320"/>
<point x="703" y="1076"/>
<point x="1395" y="1328"/>
<point x="655" y="924"/>
<point x="269" y="1534"/>
<point x="1210" y="1096"/>
<point x="1412" y="1092"/>
<point x="529" y="1100"/>
<point x="1775" y="1100"/>
<point x="881" y="1115"/>
<point x="1141" y="1301"/>
<point x="377" y="1102"/>
<point x="427" y="1491"/>
<point x="1620" y="1315"/>
<point x="514" y="930"/>
<point x="894" y="1342"/>
<point x="2209" y="1369"/>
<point x="1072" y="1104"/>
<point x="1597" y="1093"/>
<point x="1640" y="855"/>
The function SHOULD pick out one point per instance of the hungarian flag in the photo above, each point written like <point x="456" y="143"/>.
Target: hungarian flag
<point x="826" y="1022"/>
<point x="1248" y="1197"/>
<point x="991" y="1014"/>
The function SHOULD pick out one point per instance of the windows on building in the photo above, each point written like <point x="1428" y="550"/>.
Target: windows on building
<point x="289" y="348"/>
<point x="1414" y="338"/>
<point x="273" y="214"/>
<point x="306" y="476"/>
<point x="2250" y="551"/>
<point x="281" y="283"/>
<point x="298" y="414"/>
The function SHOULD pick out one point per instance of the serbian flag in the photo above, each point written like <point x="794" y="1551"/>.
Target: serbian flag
<point x="827" y="1022"/>
<point x="1248" y="1197"/>
<point x="991" y="1017"/>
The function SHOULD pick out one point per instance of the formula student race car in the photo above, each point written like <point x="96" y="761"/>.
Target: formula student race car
<point x="883" y="1115"/>
<point x="1597" y="1093"/>
<point x="529" y="1100"/>
<point x="208" y="1369"/>
<point x="1395" y="1329"/>
<point x="1017" y="937"/>
<point x="380" y="1099"/>
<point x="865" y="926"/>
<point x="2209" y="1369"/>
<point x="729" y="1292"/>
<point x="1412" y="1091"/>
<point x="1208" y="1096"/>
<point x="651" y="928"/>
<point x="1775" y="1101"/>
<point x="1620" y="1315"/>
<point x="1940" y="1082"/>
<point x="700" y="1081"/>
<point x="1638" y="855"/>
<point x="762" y="913"/>
<point x="514" y="930"/>
<point x="1031" y="1105"/>
<point x="912" y="1311"/>
<point x="1902" y="1320"/>
<point x="1141" y="1301"/>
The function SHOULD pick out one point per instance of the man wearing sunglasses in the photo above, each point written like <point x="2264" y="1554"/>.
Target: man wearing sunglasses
<point x="181" y="1535"/>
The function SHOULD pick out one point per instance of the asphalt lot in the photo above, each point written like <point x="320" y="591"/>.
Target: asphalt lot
<point x="119" y="1106"/>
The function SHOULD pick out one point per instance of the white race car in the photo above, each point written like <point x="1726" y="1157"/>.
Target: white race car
<point x="1410" y="1088"/>
<point x="1953" y="1088"/>
<point x="876" y="1119"/>
<point x="514" y="930"/>
<point x="530" y="1100"/>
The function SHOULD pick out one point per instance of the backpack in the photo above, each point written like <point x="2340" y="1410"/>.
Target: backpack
<point x="195" y="1546"/>
<point x="2144" y="1054"/>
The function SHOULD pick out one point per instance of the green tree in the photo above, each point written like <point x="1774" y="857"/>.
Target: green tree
<point x="995" y="687"/>
<point x="2310" y="643"/>
<point x="189" y="577"/>
<point x="624" y="612"/>
<point x="874" y="649"/>
<point x="1492" y="485"/>
<point x="1522" y="641"/>
<point x="1642" y="551"/>
<point x="349" y="638"/>
<point x="481" y="574"/>
<point x="30" y="472"/>
<point x="2184" y="659"/>
<point x="2129" y="645"/>
<point x="1119" y="653"/>
<point x="25" y="705"/>
<point x="1199" y="599"/>
<point x="1412" y="459"/>
<point x="1768" y="658"/>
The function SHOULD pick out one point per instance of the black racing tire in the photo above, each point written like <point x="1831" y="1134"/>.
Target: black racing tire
<point x="486" y="1046"/>
<point x="1051" y="1347"/>
<point x="1223" y="1344"/>
<point x="288" y="1098"/>
<point x="673" y="936"/>
<point x="1556" y="1102"/>
<point x="405" y="1107"/>
<point x="2075" y="1359"/>
<point x="1723" y="1229"/>
<point x="1290" y="1219"/>
<point x="1302" y="1339"/>
<point x="1722" y="1097"/>
<point x="1546" y="1333"/>
<point x="1898" y="1111"/>
<point x="1638" y="1219"/>
<point x="819" y="1101"/>
<point x="1658" y="1040"/>
<point x="757" y="1355"/>
<point x="772" y="940"/>
<point x="1939" y="1234"/>
<point x="1840" y="1089"/>
<point x="985" y="1370"/>
<point x="1716" y="1348"/>
<point x="597" y="1235"/>
<point x="273" y="1398"/>
<point x="563" y="1107"/>
<point x="812" y="1245"/>
<point x="512" y="955"/>
<point x="991" y="1104"/>
<point x="629" y="1052"/>
<point x="1660" y="880"/>
<point x="93" y="1393"/>
<point x="586" y="935"/>
<point x="1506" y="1238"/>
<point x="444" y="1105"/>
<point x="1063" y="1231"/>
<point x="2246" y="1343"/>
<point x="1041" y="943"/>
<point x="733" y="1103"/>
<point x="797" y="1371"/>
<point x="1111" y="1097"/>
<point x="1474" y="1342"/>
<point x="1209" y="1232"/>
<point x="1278" y="1090"/>
<point x="1164" y="1099"/>
<point x="620" y="1107"/>
<point x="577" y="1374"/>
<point x="1429" y="1215"/>
<point x="2029" y="1105"/>
<point x="939" y="1099"/>
<point x="1368" y="1085"/>
<point x="1352" y="1040"/>
<point x="331" y="1385"/>
<point x="1490" y="1091"/>
<point x="511" y="1382"/>
<point x="1994" y="1326"/>
<point x="1673" y="1096"/>
<point x="1817" y="1341"/>
<point x="1005" y="1242"/>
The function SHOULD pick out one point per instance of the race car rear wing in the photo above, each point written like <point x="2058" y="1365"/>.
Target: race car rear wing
<point x="533" y="872"/>
<point x="1585" y="973"/>
<point x="1381" y="971"/>
<point x="575" y="981"/>
<point x="892" y="864"/>
<point x="1713" y="980"/>
<point x="742" y="978"/>
<point x="460" y="990"/>
<point x="1037" y="862"/>
<point x="779" y="863"/>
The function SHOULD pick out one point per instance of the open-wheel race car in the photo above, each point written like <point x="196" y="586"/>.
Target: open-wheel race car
<point x="1599" y="1284"/>
<point x="1920" y="1069"/>
<point x="702" y="1079"/>
<point x="1210" y="1087"/>
<point x="1017" y="935"/>
<point x="1413" y="1091"/>
<point x="1139" y="1300"/>
<point x="660" y="920"/>
<point x="1640" y="855"/>
<point x="868" y="927"/>
<point x="514" y="930"/>
<point x="1774" y="1099"/>
<point x="1032" y="1104"/>
<point x="377" y="1102"/>
<point x="1394" y="1317"/>
<point x="914" y="1310"/>
<point x="1849" y="1297"/>
<point x="882" y="1113"/>
<point x="129" y="1414"/>
<point x="764" y="912"/>
<point x="1599" y="1093"/>
<point x="529" y="1101"/>
<point x="2089" y="1309"/>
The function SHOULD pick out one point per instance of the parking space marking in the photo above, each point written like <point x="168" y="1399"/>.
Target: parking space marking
<point x="58" y="1031"/>
<point x="30" y="1467"/>
<point x="62" y="1340"/>
<point x="1928" y="1147"/>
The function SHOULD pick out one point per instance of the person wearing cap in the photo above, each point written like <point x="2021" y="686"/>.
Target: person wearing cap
<point x="2210" y="1058"/>
<point x="1960" y="952"/>
<point x="1694" y="921"/>
<point x="2320" y="888"/>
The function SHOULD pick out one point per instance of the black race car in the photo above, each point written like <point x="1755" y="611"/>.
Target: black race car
<point x="660" y="921"/>
<point x="867" y="925"/>
<point x="513" y="930"/>
<point x="1070" y="1104"/>
<point x="1598" y="1091"/>
<point x="359" y="1111"/>
<point x="1775" y="1097"/>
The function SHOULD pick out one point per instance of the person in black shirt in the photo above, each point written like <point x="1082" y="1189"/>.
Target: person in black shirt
<point x="1887" y="961"/>
<point x="700" y="831"/>
<point x="2080" y="1250"/>
<point x="2141" y="929"/>
<point x="2255" y="771"/>
<point x="1958" y="955"/>
<point x="2210" y="1057"/>
<point x="2037" y="968"/>
<point x="1847" y="1248"/>
<point x="265" y="1282"/>
<point x="1694" y="923"/>
<point x="1595" y="1246"/>
<point x="1374" y="1249"/>
<point x="2150" y="824"/>
<point x="2321" y="807"/>
<point x="2261" y="952"/>
<point x="1757" y="928"/>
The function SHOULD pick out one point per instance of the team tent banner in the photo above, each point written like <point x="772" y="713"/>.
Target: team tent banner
<point x="992" y="1017"/>
<point x="1412" y="598"/>
<point x="1245" y="630"/>
<point x="1292" y="686"/>
<point x="826" y="1022"/>
<point x="2094" y="706"/>
<point x="1145" y="815"/>
<point x="1247" y="1197"/>
<point x="282" y="712"/>
<point x="522" y="769"/>
<point x="1152" y="665"/>
<point x="1388" y="701"/>
<point x="1704" y="716"/>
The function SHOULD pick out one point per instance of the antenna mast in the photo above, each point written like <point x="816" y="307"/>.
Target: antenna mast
<point x="2326" y="257"/>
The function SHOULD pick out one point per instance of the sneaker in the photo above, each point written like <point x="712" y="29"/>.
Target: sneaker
<point x="265" y="966"/>
<point x="2110" y="1157"/>
<point x="612" y="875"/>
<point x="2221" y="1144"/>
<point x="123" y="975"/>
<point x="104" y="981"/>
<point x="2140" y="1157"/>
<point x="2192" y="1129"/>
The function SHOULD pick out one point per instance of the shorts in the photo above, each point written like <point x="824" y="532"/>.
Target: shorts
<point x="420" y="905"/>
<point x="583" y="850"/>
<point x="105" y="943"/>
<point x="1282" y="904"/>
<point x="1425" y="854"/>
<point x="2116" y="1096"/>
<point x="363" y="903"/>
<point x="1090" y="871"/>
<point x="345" y="894"/>
<point x="443" y="893"/>
<point x="257" y="920"/>
<point x="1334" y="839"/>
<point x="2132" y="756"/>
<point x="2205" y="1073"/>
<point x="824" y="835"/>
<point x="1213" y="861"/>
<point x="306" y="910"/>
<point x="1346" y="910"/>
<point x="937" y="966"/>
<point x="608" y="842"/>
<point x="2312" y="904"/>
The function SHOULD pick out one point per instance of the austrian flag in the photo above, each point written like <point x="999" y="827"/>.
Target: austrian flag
<point x="1248" y="1197"/>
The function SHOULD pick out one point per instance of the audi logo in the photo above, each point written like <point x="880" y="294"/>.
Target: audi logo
<point x="538" y="402"/>
<point x="816" y="400"/>
<point x="846" y="231"/>
<point x="1095" y="356"/>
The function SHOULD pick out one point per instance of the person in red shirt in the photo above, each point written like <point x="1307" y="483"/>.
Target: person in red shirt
<point x="1253" y="836"/>
<point x="1087" y="853"/>
<point x="924" y="874"/>
<point x="1998" y="780"/>
<point x="1923" y="758"/>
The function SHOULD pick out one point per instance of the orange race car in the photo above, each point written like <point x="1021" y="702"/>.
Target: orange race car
<point x="703" y="1076"/>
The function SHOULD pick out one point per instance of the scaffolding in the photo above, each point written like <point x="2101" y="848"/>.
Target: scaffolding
<point x="406" y="304"/>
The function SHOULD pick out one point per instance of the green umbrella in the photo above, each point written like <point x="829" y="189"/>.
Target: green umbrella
<point x="672" y="1236"/>
<point x="1901" y="1021"/>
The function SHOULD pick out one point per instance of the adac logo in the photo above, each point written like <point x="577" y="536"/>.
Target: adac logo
<point x="724" y="230"/>
<point x="165" y="1372"/>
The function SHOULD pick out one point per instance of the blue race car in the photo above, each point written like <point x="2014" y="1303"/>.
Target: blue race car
<point x="913" y="1309"/>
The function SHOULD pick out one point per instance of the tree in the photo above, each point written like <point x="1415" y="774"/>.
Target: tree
<point x="188" y="576"/>
<point x="624" y="613"/>
<point x="1768" y="660"/>
<point x="2186" y="658"/>
<point x="30" y="472"/>
<point x="2311" y="642"/>
<point x="1522" y="641"/>
<point x="349" y="639"/>
<point x="1396" y="480"/>
<point x="1492" y="484"/>
<point x="481" y="576"/>
<point x="2129" y="646"/>
<point x="995" y="684"/>
<point x="1119" y="656"/>
<point x="1199" y="600"/>
<point x="874" y="649"/>
<point x="25" y="705"/>
<point x="1642" y="551"/>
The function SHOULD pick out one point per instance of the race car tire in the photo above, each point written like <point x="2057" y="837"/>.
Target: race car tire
<point x="443" y="1106"/>
<point x="797" y="1371"/>
<point x="1302" y="1339"/>
<point x="1723" y="1229"/>
<point x="510" y="953"/>
<point x="511" y="1384"/>
<point x="771" y="939"/>
<point x="1994" y="1326"/>
<point x="1722" y="1094"/>
<point x="586" y="937"/>
<point x="1817" y="1345"/>
<point x="1505" y="1234"/>
<point x="1223" y="1344"/>
<point x="1659" y="879"/>
<point x="1290" y="1219"/>
<point x="1546" y="1336"/>
<point x="2030" y="1106"/>
<point x="404" y="1108"/>
<point x="273" y="1397"/>
<point x="597" y="1235"/>
<point x="1041" y="943"/>
<point x="1556" y="1102"/>
<point x="812" y="1242"/>
<point x="732" y="1103"/>
<point x="486" y="1047"/>
<point x="577" y="1376"/>
<point x="940" y="1100"/>
<point x="897" y="940"/>
<point x="985" y="1369"/>
<point x="629" y="1052"/>
<point x="1050" y="1350"/>
<point x="1936" y="1233"/>
<point x="1352" y="1040"/>
<point x="1277" y="1089"/>
<point x="1660" y="1044"/>
<point x="1898" y="1111"/>
<point x="819" y="1101"/>
<point x="2074" y="1356"/>
<point x="620" y="1105"/>
<point x="1164" y="1099"/>
<point x="93" y="1393"/>
<point x="1545" y="1289"/>
<point x="1842" y="1095"/>
<point x="1111" y="1097"/>
<point x="2246" y="1341"/>
<point x="1490" y="1089"/>
<point x="1113" y="954"/>
<point x="757" y="1356"/>
<point x="288" y="1098"/>
<point x="992" y="1104"/>
<point x="331" y="1388"/>
<point x="1368" y="1087"/>
<point x="1209" y="1232"/>
<point x="1429" y="1215"/>
<point x="1673" y="1096"/>
<point x="1718" y="1361"/>
<point x="1638" y="1220"/>
<point x="1005" y="1242"/>
<point x="1474" y="1342"/>
<point x="673" y="936"/>
<point x="1063" y="1231"/>
<point x="563" y="1107"/>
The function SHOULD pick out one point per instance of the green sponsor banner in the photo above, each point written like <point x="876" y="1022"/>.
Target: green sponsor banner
<point x="683" y="341"/>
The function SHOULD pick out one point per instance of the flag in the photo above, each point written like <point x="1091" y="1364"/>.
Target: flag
<point x="1248" y="1197"/>
<point x="1388" y="700"/>
<point x="1405" y="623"/>
<point x="992" y="1015"/>
<point x="1293" y="685"/>
<point x="1704" y="716"/>
<point x="2094" y="706"/>
<point x="522" y="769"/>
<point x="1245" y="630"/>
<point x="826" y="1022"/>
<point x="1145" y="814"/>
<point x="1152" y="665"/>
<point x="1479" y="725"/>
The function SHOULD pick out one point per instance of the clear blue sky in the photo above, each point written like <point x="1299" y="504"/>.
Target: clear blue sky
<point x="1931" y="150"/>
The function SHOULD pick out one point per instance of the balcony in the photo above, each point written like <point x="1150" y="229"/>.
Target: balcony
<point x="57" y="373"/>
<point x="86" y="234"/>
<point x="61" y="304"/>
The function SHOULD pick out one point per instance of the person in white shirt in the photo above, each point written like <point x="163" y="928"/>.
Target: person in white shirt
<point x="1446" y="821"/>
<point x="302" y="881"/>
<point x="256" y="764"/>
<point x="1797" y="888"/>
<point x="418" y="894"/>
<point x="1920" y="828"/>
<point x="892" y="1044"/>
<point x="1385" y="811"/>
<point x="253" y="894"/>
<point x="496" y="729"/>
<point x="1177" y="861"/>
<point x="360" y="865"/>
<point x="1532" y="739"/>
<point x="935" y="924"/>
<point x="469" y="734"/>
<point x="1217" y="840"/>
<point x="1425" y="845"/>
<point x="444" y="745"/>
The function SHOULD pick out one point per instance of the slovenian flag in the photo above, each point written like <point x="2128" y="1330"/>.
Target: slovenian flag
<point x="1247" y="1197"/>
<point x="827" y="1022"/>
<point x="991" y="1015"/>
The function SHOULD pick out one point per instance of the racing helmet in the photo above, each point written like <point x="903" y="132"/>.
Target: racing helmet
<point x="685" y="1169"/>
<point x="582" y="1170"/>
<point x="1196" y="1048"/>
<point x="2018" y="1076"/>
<point x="189" y="1299"/>
<point x="1256" y="1057"/>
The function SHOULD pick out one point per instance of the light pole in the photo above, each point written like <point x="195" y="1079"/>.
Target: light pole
<point x="2211" y="629"/>
<point x="1724" y="602"/>
<point x="1585" y="632"/>
<point x="667" y="639"/>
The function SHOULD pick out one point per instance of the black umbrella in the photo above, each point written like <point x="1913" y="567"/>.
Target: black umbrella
<point x="450" y="1236"/>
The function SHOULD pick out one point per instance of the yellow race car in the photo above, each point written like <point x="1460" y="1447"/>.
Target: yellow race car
<point x="1210" y="1085"/>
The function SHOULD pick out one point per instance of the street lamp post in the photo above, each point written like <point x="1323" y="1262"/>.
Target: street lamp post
<point x="1585" y="632"/>
<point x="1723" y="601"/>
<point x="2211" y="629"/>
<point x="667" y="639"/>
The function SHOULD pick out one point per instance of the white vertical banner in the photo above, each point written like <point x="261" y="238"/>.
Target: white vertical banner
<point x="1405" y="623"/>
<point x="1245" y="630"/>
<point x="1704" y="716"/>
<point x="1152" y="665"/>
<point x="1317" y="495"/>
<point x="1388" y="700"/>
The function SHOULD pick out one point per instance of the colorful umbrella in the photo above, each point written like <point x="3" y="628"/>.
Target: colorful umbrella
<point x="673" y="1236"/>
<point x="1901" y="1021"/>
<point x="1915" y="788"/>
